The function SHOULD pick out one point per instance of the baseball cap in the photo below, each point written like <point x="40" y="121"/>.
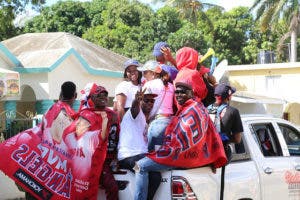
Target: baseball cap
<point x="156" y="49"/>
<point x="172" y="71"/>
<point x="131" y="62"/>
<point x="150" y="93"/>
<point x="99" y="89"/>
<point x="224" y="90"/>
<point x="150" y="65"/>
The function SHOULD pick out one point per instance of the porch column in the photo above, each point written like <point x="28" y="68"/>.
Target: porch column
<point x="43" y="105"/>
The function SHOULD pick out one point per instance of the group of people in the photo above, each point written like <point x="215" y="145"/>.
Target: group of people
<point x="164" y="108"/>
<point x="160" y="120"/>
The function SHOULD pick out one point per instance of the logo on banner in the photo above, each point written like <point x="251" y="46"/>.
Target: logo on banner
<point x="37" y="188"/>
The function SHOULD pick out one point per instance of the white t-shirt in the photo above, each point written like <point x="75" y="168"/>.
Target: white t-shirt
<point x="133" y="138"/>
<point x="164" y="101"/>
<point x="129" y="90"/>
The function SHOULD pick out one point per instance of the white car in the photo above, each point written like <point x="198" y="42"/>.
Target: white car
<point x="253" y="173"/>
<point x="257" y="171"/>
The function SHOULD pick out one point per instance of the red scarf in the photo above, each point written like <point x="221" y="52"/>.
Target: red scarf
<point x="191" y="140"/>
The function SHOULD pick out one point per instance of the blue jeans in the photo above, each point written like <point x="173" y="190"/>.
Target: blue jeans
<point x="141" y="176"/>
<point x="154" y="177"/>
<point x="156" y="132"/>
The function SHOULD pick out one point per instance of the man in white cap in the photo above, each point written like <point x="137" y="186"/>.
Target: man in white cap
<point x="133" y="144"/>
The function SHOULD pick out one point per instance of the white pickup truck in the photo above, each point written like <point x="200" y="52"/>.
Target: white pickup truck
<point x="254" y="172"/>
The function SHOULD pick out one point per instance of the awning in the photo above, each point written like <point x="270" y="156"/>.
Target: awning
<point x="246" y="97"/>
<point x="9" y="83"/>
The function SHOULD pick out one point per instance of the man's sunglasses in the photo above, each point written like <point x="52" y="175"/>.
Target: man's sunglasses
<point x="181" y="91"/>
<point x="149" y="100"/>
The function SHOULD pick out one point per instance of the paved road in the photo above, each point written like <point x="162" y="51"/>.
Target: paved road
<point x="8" y="188"/>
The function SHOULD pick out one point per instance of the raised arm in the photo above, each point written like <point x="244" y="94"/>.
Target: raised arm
<point x="136" y="104"/>
<point x="168" y="55"/>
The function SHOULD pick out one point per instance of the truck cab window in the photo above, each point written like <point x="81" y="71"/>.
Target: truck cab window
<point x="292" y="138"/>
<point x="265" y="136"/>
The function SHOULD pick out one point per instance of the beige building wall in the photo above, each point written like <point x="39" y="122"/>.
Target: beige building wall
<point x="38" y="82"/>
<point x="279" y="80"/>
<point x="278" y="83"/>
<point x="72" y="70"/>
<point x="293" y="112"/>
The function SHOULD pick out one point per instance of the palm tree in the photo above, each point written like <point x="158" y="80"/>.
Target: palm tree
<point x="269" y="12"/>
<point x="191" y="9"/>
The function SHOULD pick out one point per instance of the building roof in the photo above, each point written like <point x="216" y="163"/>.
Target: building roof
<point x="248" y="97"/>
<point x="44" y="50"/>
<point x="287" y="65"/>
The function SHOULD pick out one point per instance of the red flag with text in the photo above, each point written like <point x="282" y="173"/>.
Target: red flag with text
<point x="60" y="158"/>
<point x="191" y="140"/>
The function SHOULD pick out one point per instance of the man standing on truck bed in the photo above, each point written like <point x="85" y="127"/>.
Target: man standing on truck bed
<point x="227" y="122"/>
<point x="227" y="118"/>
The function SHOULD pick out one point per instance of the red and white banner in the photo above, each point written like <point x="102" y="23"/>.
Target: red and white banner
<point x="53" y="165"/>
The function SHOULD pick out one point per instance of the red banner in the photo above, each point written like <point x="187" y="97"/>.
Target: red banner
<point x="191" y="140"/>
<point x="51" y="165"/>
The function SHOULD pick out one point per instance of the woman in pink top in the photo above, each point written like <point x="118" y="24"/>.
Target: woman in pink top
<point x="163" y="107"/>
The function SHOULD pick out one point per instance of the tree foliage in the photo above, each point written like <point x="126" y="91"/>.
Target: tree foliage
<point x="8" y="12"/>
<point x="270" y="13"/>
<point x="7" y="28"/>
<point x="68" y="16"/>
<point x="131" y="28"/>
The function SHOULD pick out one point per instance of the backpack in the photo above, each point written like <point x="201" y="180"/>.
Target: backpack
<point x="215" y="115"/>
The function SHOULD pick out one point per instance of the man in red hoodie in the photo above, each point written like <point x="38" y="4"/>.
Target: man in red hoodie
<point x="187" y="60"/>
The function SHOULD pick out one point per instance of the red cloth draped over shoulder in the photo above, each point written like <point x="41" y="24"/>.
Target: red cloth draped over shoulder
<point x="191" y="140"/>
<point x="55" y="109"/>
<point x="98" y="147"/>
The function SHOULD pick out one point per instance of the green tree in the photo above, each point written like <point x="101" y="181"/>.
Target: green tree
<point x="8" y="12"/>
<point x="128" y="29"/>
<point x="269" y="13"/>
<point x="94" y="11"/>
<point x="17" y="6"/>
<point x="191" y="10"/>
<point x="167" y="21"/>
<point x="66" y="16"/>
<point x="189" y="36"/>
<point x="7" y="28"/>
<point x="230" y="34"/>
